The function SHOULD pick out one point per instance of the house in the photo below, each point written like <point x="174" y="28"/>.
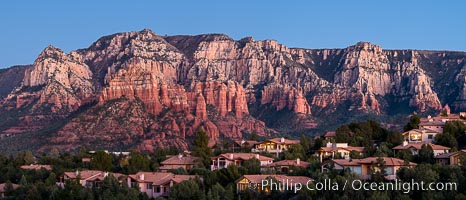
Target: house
<point x="454" y="158"/>
<point x="416" y="146"/>
<point x="438" y="122"/>
<point x="179" y="161"/>
<point x="330" y="135"/>
<point x="88" y="178"/>
<point x="341" y="149"/>
<point x="420" y="135"/>
<point x="156" y="184"/>
<point x="274" y="145"/>
<point x="3" y="189"/>
<point x="238" y="145"/>
<point x="254" y="182"/>
<point x="286" y="166"/>
<point x="36" y="167"/>
<point x="224" y="160"/>
<point x="432" y="125"/>
<point x="364" y="167"/>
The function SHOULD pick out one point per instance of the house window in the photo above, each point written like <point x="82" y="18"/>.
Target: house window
<point x="149" y="186"/>
<point x="285" y="170"/>
<point x="430" y="136"/>
<point x="133" y="184"/>
<point x="221" y="162"/>
<point x="389" y="170"/>
<point x="415" y="136"/>
<point x="357" y="170"/>
<point x="158" y="189"/>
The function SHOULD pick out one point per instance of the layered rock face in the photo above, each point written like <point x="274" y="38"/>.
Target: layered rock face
<point x="56" y="85"/>
<point x="149" y="73"/>
<point x="58" y="81"/>
<point x="368" y="69"/>
<point x="153" y="91"/>
<point x="285" y="97"/>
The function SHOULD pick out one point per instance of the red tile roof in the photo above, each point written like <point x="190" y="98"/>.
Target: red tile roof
<point x="243" y="156"/>
<point x="348" y="148"/>
<point x="37" y="167"/>
<point x="421" y="130"/>
<point x="180" y="160"/>
<point x="345" y="162"/>
<point x="444" y="155"/>
<point x="159" y="178"/>
<point x="418" y="146"/>
<point x="330" y="134"/>
<point x="290" y="163"/>
<point x="432" y="123"/>
<point x="83" y="174"/>
<point x="388" y="161"/>
<point x="286" y="141"/>
<point x="448" y="155"/>
<point x="92" y="175"/>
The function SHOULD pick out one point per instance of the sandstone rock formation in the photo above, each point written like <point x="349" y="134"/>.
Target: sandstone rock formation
<point x="57" y="81"/>
<point x="154" y="91"/>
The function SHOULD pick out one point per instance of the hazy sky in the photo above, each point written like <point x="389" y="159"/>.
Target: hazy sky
<point x="28" y="27"/>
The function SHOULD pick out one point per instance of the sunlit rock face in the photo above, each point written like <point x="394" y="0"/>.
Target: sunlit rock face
<point x="139" y="89"/>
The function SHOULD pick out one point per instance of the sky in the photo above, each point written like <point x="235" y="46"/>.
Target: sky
<point x="27" y="27"/>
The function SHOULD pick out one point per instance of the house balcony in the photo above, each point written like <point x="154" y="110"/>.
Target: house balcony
<point x="267" y="150"/>
<point x="215" y="167"/>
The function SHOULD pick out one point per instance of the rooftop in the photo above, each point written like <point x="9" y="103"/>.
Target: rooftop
<point x="180" y="160"/>
<point x="388" y="161"/>
<point x="421" y="130"/>
<point x="330" y="134"/>
<point x="418" y="146"/>
<point x="332" y="147"/>
<point x="36" y="167"/>
<point x="447" y="155"/>
<point x="290" y="163"/>
<point x="92" y="175"/>
<point x="159" y="178"/>
<point x="432" y="123"/>
<point x="243" y="156"/>
<point x="283" y="141"/>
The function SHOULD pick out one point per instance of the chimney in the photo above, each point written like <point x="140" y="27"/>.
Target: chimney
<point x="405" y="143"/>
<point x="242" y="142"/>
<point x="141" y="176"/>
<point x="231" y="156"/>
<point x="282" y="140"/>
<point x="77" y="173"/>
<point x="257" y="156"/>
<point x="105" y="174"/>
<point x="180" y="156"/>
<point x="298" y="161"/>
